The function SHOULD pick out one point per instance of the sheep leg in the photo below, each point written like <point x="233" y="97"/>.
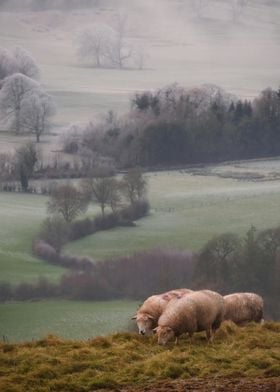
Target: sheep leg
<point x="209" y="335"/>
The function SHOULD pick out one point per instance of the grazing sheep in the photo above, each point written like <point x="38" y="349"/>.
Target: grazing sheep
<point x="242" y="308"/>
<point x="148" y="314"/>
<point x="198" y="311"/>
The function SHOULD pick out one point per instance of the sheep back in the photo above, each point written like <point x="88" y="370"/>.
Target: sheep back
<point x="195" y="312"/>
<point x="242" y="308"/>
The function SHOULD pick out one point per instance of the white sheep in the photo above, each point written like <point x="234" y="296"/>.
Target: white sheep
<point x="198" y="311"/>
<point x="242" y="308"/>
<point x="148" y="314"/>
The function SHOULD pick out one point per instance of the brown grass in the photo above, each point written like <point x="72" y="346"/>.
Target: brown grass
<point x="126" y="359"/>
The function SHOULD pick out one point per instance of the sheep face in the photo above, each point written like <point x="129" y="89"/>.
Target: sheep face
<point x="145" y="323"/>
<point x="164" y="334"/>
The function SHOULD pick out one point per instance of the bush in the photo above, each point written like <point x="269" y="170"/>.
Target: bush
<point x="136" y="210"/>
<point x="6" y="292"/>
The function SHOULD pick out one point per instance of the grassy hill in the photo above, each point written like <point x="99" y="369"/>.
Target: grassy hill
<point x="130" y="362"/>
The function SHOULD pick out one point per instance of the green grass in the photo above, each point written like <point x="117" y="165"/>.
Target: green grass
<point x="186" y="211"/>
<point x="21" y="216"/>
<point x="123" y="359"/>
<point x="67" y="319"/>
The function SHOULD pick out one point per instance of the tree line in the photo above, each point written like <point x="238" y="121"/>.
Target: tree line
<point x="227" y="263"/>
<point x="177" y="126"/>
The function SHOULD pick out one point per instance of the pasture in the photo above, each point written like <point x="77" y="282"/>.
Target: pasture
<point x="21" y="216"/>
<point x="67" y="319"/>
<point x="186" y="211"/>
<point x="241" y="56"/>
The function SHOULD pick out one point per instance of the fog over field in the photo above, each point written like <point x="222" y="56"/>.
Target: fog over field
<point x="188" y="42"/>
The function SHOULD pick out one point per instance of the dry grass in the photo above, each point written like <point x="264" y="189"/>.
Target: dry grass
<point x="123" y="359"/>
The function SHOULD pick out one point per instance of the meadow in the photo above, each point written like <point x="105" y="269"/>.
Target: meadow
<point x="186" y="211"/>
<point x="67" y="319"/>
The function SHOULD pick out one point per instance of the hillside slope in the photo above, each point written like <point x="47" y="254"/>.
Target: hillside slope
<point x="247" y="356"/>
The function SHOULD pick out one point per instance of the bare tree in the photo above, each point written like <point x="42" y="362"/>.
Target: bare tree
<point x="109" y="46"/>
<point x="102" y="190"/>
<point x="55" y="232"/>
<point x="93" y="44"/>
<point x="15" y="89"/>
<point x="134" y="185"/>
<point x="119" y="50"/>
<point x="36" y="110"/>
<point x="68" y="201"/>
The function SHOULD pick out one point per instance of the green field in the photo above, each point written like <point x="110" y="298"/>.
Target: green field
<point x="21" y="216"/>
<point x="67" y="319"/>
<point x="186" y="211"/>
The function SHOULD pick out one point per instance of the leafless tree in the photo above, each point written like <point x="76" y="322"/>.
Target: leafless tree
<point x="134" y="185"/>
<point x="119" y="50"/>
<point x="55" y="232"/>
<point x="104" y="191"/>
<point x="109" y="46"/>
<point x="68" y="201"/>
<point x="37" y="109"/>
<point x="15" y="89"/>
<point x="93" y="44"/>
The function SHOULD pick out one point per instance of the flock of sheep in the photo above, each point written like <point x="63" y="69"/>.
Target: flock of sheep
<point x="180" y="311"/>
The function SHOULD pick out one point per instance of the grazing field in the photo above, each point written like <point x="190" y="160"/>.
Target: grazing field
<point x="241" y="55"/>
<point x="188" y="210"/>
<point x="21" y="216"/>
<point x="129" y="362"/>
<point x="67" y="319"/>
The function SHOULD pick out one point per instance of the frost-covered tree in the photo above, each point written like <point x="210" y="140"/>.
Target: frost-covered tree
<point x="15" y="89"/>
<point x="25" y="63"/>
<point x="108" y="46"/>
<point x="93" y="44"/>
<point x="18" y="60"/>
<point x="36" y="111"/>
<point x="7" y="65"/>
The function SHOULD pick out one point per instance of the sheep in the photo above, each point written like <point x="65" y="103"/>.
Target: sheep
<point x="242" y="308"/>
<point x="150" y="311"/>
<point x="198" y="311"/>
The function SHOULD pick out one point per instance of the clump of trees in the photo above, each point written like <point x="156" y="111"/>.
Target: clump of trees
<point x="229" y="263"/>
<point x="67" y="202"/>
<point x="25" y="107"/>
<point x="177" y="126"/>
<point x="109" y="46"/>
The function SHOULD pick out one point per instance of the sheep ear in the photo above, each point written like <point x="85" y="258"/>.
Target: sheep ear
<point x="169" y="328"/>
<point x="151" y="317"/>
<point x="155" y="330"/>
<point x="134" y="317"/>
